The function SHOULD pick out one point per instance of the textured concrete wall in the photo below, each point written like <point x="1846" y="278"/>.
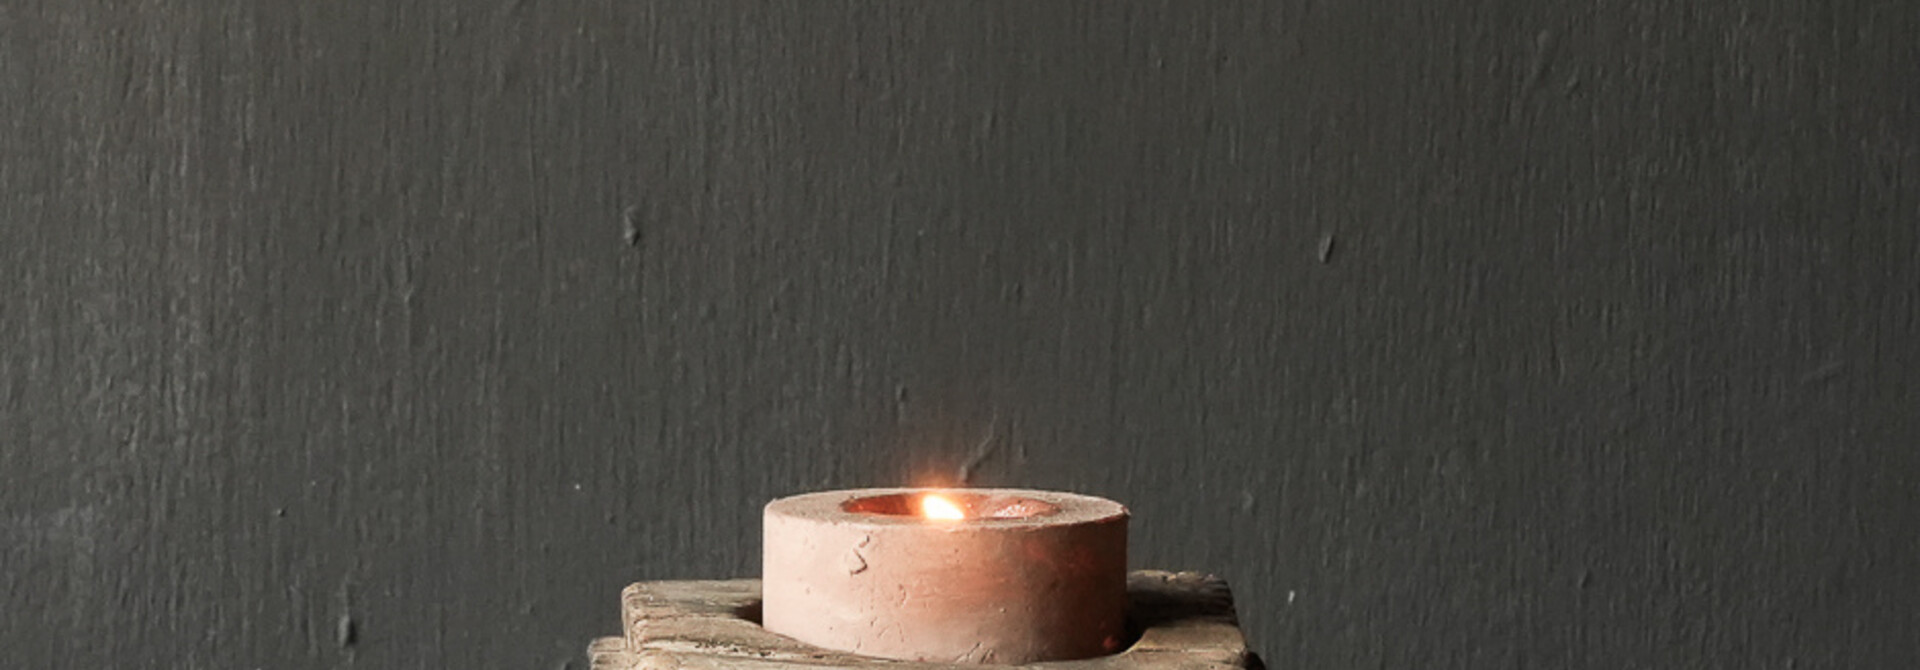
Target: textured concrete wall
<point x="1456" y="334"/>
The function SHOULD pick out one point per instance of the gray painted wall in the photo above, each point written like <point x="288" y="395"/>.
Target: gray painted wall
<point x="325" y="311"/>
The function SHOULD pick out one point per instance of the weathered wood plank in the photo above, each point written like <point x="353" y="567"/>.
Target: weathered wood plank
<point x="1184" y="620"/>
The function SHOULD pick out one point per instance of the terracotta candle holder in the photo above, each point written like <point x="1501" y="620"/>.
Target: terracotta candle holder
<point x="955" y="576"/>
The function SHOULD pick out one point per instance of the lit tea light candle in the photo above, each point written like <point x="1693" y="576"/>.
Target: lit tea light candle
<point x="938" y="507"/>
<point x="957" y="576"/>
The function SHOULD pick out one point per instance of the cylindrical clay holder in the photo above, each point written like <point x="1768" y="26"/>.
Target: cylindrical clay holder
<point x="1026" y="576"/>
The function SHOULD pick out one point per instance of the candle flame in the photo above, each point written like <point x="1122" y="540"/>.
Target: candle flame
<point x="936" y="506"/>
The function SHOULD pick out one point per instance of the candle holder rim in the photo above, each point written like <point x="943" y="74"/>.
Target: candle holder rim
<point x="1066" y="507"/>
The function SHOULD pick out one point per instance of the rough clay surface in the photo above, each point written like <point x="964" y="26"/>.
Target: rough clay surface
<point x="1003" y="591"/>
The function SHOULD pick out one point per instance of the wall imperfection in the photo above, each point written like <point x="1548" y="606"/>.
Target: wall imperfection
<point x="630" y="225"/>
<point x="346" y="632"/>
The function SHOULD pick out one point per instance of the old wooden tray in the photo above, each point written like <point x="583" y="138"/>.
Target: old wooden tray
<point x="1183" y="621"/>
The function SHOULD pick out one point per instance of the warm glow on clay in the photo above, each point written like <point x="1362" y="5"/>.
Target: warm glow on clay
<point x="936" y="506"/>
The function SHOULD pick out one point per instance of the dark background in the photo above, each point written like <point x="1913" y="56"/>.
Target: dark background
<point x="1506" y="334"/>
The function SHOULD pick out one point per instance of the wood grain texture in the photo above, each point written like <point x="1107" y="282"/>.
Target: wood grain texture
<point x="399" y="335"/>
